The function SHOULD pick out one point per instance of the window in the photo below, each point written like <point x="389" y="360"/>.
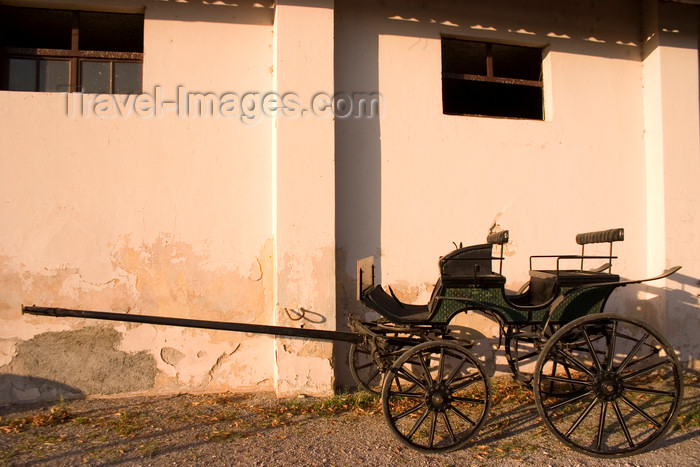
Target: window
<point x="480" y="78"/>
<point x="61" y="50"/>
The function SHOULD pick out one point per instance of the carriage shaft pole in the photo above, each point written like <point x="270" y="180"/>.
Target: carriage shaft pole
<point x="318" y="334"/>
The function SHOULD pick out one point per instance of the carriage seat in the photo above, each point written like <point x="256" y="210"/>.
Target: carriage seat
<point x="464" y="267"/>
<point x="471" y="265"/>
<point x="391" y="308"/>
<point x="545" y="284"/>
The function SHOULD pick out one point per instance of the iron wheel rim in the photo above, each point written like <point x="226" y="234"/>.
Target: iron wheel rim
<point x="631" y="386"/>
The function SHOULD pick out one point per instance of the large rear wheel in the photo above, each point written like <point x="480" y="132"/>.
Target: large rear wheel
<point x="628" y="385"/>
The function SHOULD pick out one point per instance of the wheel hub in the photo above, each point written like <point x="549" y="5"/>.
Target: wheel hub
<point x="437" y="398"/>
<point x="607" y="385"/>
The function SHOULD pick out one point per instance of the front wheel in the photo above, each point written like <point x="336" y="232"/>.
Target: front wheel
<point x="436" y="396"/>
<point x="628" y="380"/>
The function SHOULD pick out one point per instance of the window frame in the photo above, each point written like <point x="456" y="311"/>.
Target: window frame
<point x="490" y="77"/>
<point x="74" y="55"/>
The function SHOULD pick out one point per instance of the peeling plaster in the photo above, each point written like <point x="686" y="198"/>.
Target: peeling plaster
<point x="86" y="360"/>
<point x="164" y="278"/>
<point x="8" y="350"/>
<point x="171" y="356"/>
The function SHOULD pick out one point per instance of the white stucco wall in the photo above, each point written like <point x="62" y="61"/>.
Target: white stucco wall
<point x="432" y="179"/>
<point x="238" y="218"/>
<point x="165" y="215"/>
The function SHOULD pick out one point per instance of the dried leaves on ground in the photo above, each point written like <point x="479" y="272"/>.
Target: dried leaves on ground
<point x="258" y="429"/>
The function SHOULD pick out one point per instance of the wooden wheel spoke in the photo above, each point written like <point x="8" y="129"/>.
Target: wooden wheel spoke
<point x="643" y="359"/>
<point x="471" y="400"/>
<point x="456" y="371"/>
<point x="581" y="418"/>
<point x="461" y="415"/>
<point x="426" y="370"/>
<point x="433" y="425"/>
<point x="373" y="375"/>
<point x="441" y="364"/>
<point x="568" y="374"/>
<point x="648" y="369"/>
<point x="601" y="424"/>
<point x="417" y="425"/>
<point x="632" y="353"/>
<point x="451" y="432"/>
<point x="408" y="412"/>
<point x="407" y="375"/>
<point x="527" y="355"/>
<point x="559" y="379"/>
<point x="650" y="391"/>
<point x="574" y="361"/>
<point x="640" y="411"/>
<point x="409" y="395"/>
<point x="569" y="401"/>
<point x="591" y="350"/>
<point x="611" y="348"/>
<point x="360" y="367"/>
<point x="621" y="420"/>
<point x="464" y="382"/>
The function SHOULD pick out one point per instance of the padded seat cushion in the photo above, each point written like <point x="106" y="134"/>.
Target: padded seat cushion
<point x="377" y="299"/>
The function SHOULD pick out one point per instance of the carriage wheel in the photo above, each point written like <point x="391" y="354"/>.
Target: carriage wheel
<point x="364" y="368"/>
<point x="436" y="396"/>
<point x="522" y="346"/>
<point x="630" y="385"/>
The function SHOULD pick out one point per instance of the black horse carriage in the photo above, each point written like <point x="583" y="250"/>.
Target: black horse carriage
<point x="605" y="384"/>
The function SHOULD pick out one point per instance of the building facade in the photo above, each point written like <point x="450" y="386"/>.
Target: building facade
<point x="232" y="160"/>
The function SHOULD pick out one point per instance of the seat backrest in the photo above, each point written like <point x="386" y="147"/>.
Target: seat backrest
<point x="466" y="262"/>
<point x="497" y="238"/>
<point x="601" y="236"/>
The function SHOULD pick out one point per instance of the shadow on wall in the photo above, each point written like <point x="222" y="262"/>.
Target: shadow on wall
<point x="18" y="389"/>
<point x="357" y="172"/>
<point x="253" y="12"/>
<point x="682" y="312"/>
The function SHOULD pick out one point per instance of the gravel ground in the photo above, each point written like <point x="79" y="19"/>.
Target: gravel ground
<point x="258" y="429"/>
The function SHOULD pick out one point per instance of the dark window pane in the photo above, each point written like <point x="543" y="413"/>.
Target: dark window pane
<point x="95" y="77"/>
<point x="21" y="74"/>
<point x="35" y="28"/>
<point x="127" y="78"/>
<point x="517" y="62"/>
<point x="461" y="97"/>
<point x="54" y="75"/>
<point x="111" y="32"/>
<point x="464" y="57"/>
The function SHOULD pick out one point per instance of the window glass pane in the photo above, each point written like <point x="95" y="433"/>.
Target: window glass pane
<point x="111" y="32"/>
<point x="53" y="75"/>
<point x="464" y="57"/>
<point x="21" y="74"/>
<point x="463" y="97"/>
<point x="127" y="78"/>
<point x="35" y="28"/>
<point x="95" y="77"/>
<point x="517" y="62"/>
